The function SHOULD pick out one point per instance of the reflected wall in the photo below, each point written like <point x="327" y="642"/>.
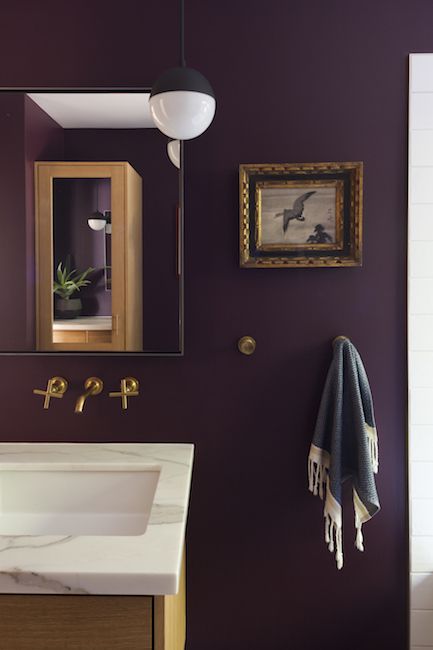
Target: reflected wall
<point x="29" y="134"/>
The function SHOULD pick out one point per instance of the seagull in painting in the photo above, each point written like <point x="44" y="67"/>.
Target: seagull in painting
<point x="295" y="212"/>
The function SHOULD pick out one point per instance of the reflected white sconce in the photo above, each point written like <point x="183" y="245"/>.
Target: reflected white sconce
<point x="99" y="221"/>
<point x="173" y="150"/>
<point x="182" y="102"/>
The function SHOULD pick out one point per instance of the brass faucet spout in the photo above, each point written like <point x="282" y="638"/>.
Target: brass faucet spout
<point x="93" y="386"/>
<point x="79" y="405"/>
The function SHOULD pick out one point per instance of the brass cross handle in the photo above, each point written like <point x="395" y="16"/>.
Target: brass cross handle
<point x="56" y="387"/>
<point x="128" y="388"/>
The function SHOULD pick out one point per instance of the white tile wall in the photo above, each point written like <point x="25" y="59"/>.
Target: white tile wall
<point x="422" y="590"/>
<point x="421" y="627"/>
<point x="421" y="516"/>
<point x="421" y="147"/>
<point x="420" y="405"/>
<point x="421" y="328"/>
<point x="420" y="222"/>
<point x="420" y="368"/>
<point x="421" y="442"/>
<point x="420" y="344"/>
<point x="421" y="111"/>
<point x="420" y="294"/>
<point x="421" y="480"/>
<point x="421" y="185"/>
<point x="421" y="259"/>
<point x="421" y="72"/>
<point x="421" y="550"/>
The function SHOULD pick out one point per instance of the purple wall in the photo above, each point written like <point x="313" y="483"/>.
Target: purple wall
<point x="13" y="219"/>
<point x="43" y="141"/>
<point x="305" y="81"/>
<point x="27" y="134"/>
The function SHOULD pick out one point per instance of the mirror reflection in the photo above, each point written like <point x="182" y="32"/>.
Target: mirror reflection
<point x="82" y="244"/>
<point x="97" y="231"/>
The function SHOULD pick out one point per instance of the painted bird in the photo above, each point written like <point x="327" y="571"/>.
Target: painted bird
<point x="295" y="212"/>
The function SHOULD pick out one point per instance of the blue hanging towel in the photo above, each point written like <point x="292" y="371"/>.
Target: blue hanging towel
<point x="344" y="446"/>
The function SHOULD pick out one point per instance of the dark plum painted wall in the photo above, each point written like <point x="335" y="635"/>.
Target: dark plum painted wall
<point x="43" y="140"/>
<point x="295" y="81"/>
<point x="27" y="134"/>
<point x="13" y="219"/>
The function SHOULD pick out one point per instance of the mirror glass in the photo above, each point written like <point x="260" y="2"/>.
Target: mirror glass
<point x="92" y="220"/>
<point x="82" y="245"/>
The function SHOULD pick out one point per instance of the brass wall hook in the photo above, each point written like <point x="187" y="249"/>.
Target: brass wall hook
<point x="247" y="345"/>
<point x="129" y="387"/>
<point x="93" y="386"/>
<point x="340" y="336"/>
<point x="56" y="387"/>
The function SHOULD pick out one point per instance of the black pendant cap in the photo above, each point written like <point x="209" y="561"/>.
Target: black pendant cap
<point x="97" y="215"/>
<point x="182" y="79"/>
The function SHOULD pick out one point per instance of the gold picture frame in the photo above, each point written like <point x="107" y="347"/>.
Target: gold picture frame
<point x="301" y="215"/>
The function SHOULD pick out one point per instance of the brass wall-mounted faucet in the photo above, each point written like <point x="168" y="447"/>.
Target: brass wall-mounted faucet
<point x="128" y="388"/>
<point x="93" y="386"/>
<point x="56" y="387"/>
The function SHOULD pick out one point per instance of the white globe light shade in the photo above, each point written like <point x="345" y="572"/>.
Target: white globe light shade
<point x="173" y="150"/>
<point x="96" y="224"/>
<point x="182" y="103"/>
<point x="182" y="114"/>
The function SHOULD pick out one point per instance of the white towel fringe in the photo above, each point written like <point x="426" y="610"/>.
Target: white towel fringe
<point x="334" y="539"/>
<point x="374" y="454"/>
<point x="359" y="542"/>
<point x="317" y="484"/>
<point x="317" y="475"/>
<point x="373" y="447"/>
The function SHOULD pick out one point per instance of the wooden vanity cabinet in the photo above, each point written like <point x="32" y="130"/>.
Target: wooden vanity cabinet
<point x="126" y="259"/>
<point x="82" y="622"/>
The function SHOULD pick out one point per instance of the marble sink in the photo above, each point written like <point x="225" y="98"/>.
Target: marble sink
<point x="84" y="518"/>
<point x="84" y="498"/>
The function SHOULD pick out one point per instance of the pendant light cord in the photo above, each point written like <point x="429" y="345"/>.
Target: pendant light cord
<point x="182" y="33"/>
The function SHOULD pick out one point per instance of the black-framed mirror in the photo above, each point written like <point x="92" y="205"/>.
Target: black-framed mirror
<point x="92" y="213"/>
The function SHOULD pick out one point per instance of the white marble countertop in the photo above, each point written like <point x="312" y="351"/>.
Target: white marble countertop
<point x="129" y="565"/>
<point x="83" y="323"/>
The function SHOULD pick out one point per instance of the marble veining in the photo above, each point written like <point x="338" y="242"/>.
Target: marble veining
<point x="29" y="541"/>
<point x="27" y="582"/>
<point x="132" y="564"/>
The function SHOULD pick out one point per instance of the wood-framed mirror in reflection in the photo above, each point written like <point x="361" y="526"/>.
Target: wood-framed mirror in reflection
<point x="92" y="213"/>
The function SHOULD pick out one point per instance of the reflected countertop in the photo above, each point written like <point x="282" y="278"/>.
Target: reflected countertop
<point x="83" y="323"/>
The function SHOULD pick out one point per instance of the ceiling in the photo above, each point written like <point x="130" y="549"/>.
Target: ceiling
<point x="96" y="110"/>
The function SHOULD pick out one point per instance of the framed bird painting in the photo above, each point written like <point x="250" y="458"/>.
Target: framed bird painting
<point x="301" y="215"/>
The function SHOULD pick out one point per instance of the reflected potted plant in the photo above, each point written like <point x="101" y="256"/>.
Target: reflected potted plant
<point x="67" y="283"/>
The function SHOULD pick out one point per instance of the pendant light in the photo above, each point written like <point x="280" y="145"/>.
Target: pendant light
<point x="173" y="150"/>
<point x="182" y="102"/>
<point x="99" y="220"/>
<point x="96" y="221"/>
